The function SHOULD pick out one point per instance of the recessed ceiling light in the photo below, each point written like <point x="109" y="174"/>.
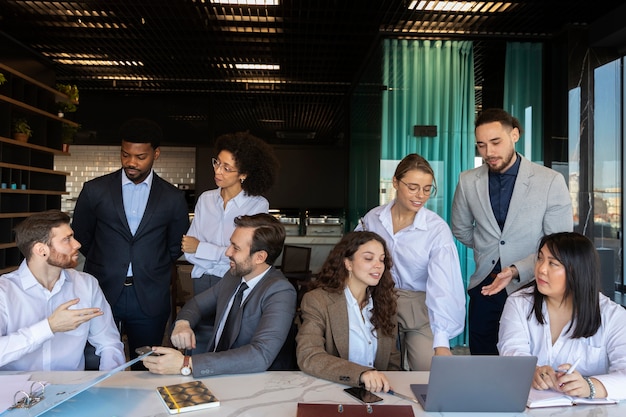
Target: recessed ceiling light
<point x="272" y="67"/>
<point x="248" y="2"/>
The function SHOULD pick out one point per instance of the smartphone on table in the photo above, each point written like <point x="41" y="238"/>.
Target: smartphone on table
<point x="363" y="395"/>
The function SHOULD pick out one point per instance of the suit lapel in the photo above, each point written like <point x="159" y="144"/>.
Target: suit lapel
<point x="153" y="202"/>
<point x="482" y="188"/>
<point x="338" y="310"/>
<point x="115" y="191"/>
<point x="520" y="194"/>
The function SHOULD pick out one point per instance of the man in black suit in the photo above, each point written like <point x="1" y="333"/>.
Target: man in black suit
<point x="130" y="224"/>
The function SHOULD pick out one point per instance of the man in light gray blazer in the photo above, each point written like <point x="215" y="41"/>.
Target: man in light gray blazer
<point x="501" y="210"/>
<point x="258" y="327"/>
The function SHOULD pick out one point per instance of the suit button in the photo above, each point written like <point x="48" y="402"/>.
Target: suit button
<point x="502" y="242"/>
<point x="493" y="262"/>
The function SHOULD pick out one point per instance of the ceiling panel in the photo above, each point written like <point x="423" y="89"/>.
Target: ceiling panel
<point x="319" y="47"/>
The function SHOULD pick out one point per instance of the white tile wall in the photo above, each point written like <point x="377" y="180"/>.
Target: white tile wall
<point x="176" y="165"/>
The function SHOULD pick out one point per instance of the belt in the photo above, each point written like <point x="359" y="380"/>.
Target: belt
<point x="128" y="282"/>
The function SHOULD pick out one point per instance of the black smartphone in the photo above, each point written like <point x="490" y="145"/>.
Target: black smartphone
<point x="143" y="350"/>
<point x="363" y="395"/>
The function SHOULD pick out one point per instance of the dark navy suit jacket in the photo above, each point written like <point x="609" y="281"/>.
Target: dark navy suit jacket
<point x="101" y="227"/>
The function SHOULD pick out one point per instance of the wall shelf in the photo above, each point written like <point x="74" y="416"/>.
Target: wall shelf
<point x="28" y="166"/>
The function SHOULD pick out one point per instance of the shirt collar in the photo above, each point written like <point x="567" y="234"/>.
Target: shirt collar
<point x="513" y="171"/>
<point x="238" y="199"/>
<point x="147" y="180"/>
<point x="419" y="222"/>
<point x="28" y="280"/>
<point x="352" y="302"/>
<point x="254" y="281"/>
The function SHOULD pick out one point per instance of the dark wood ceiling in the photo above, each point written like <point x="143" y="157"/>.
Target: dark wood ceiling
<point x="194" y="49"/>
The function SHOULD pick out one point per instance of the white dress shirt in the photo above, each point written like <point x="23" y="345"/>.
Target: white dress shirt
<point x="26" y="341"/>
<point x="425" y="258"/>
<point x="362" y="341"/>
<point x="213" y="226"/>
<point x="602" y="356"/>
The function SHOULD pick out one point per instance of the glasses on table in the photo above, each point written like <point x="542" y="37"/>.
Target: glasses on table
<point x="416" y="188"/>
<point x="226" y="168"/>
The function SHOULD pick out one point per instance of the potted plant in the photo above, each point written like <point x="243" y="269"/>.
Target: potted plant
<point x="68" y="132"/>
<point x="21" y="130"/>
<point x="72" y="92"/>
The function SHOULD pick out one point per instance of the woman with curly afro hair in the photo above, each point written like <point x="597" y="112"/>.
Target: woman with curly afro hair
<point x="245" y="168"/>
<point x="349" y="325"/>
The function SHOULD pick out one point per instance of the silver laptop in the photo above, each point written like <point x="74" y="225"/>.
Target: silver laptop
<point x="477" y="383"/>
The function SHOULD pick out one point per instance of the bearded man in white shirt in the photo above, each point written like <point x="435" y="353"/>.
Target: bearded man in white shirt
<point x="48" y="310"/>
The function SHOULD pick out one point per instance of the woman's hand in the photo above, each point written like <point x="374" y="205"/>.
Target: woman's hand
<point x="189" y="244"/>
<point x="375" y="381"/>
<point x="545" y="378"/>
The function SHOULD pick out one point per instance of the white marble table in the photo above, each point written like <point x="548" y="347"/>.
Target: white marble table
<point x="272" y="394"/>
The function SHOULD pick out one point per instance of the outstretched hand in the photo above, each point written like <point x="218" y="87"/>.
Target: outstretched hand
<point x="501" y="281"/>
<point x="64" y="320"/>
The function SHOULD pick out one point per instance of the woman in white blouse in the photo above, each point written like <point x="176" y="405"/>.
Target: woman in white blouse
<point x="244" y="169"/>
<point x="563" y="319"/>
<point x="426" y="267"/>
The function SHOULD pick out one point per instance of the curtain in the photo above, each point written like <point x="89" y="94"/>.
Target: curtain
<point x="431" y="83"/>
<point x="523" y="95"/>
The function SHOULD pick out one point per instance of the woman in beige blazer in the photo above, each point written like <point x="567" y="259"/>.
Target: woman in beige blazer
<point x="349" y="325"/>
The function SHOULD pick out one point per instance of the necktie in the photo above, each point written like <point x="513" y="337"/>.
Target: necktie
<point x="229" y="325"/>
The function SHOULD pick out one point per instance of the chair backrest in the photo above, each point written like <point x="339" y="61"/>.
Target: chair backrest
<point x="295" y="259"/>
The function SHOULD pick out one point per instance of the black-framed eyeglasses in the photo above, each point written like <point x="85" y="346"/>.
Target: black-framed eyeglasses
<point x="226" y="168"/>
<point x="415" y="188"/>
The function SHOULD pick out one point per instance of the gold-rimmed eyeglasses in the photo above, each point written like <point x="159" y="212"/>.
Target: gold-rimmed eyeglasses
<point x="415" y="188"/>
<point x="226" y="168"/>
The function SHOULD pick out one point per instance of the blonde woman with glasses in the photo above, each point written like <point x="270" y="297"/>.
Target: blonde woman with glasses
<point x="426" y="268"/>
<point x="245" y="168"/>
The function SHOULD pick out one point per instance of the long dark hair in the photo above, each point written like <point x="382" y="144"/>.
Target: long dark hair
<point x="582" y="283"/>
<point x="333" y="277"/>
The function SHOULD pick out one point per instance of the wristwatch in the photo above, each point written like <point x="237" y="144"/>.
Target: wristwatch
<point x="186" y="369"/>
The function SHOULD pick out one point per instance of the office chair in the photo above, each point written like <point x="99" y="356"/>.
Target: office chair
<point x="295" y="266"/>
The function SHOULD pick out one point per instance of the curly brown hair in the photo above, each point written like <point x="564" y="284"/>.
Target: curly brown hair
<point x="333" y="277"/>
<point x="254" y="158"/>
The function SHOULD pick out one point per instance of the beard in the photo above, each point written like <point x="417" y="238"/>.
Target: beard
<point x="241" y="269"/>
<point x="61" y="260"/>
<point x="504" y="164"/>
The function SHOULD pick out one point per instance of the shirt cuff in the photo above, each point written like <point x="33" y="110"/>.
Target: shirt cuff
<point x="441" y="339"/>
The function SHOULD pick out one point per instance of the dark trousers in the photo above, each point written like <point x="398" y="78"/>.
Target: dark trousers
<point x="484" y="319"/>
<point x="204" y="329"/>
<point x="140" y="329"/>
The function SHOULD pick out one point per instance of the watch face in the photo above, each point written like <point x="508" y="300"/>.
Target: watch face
<point x="185" y="371"/>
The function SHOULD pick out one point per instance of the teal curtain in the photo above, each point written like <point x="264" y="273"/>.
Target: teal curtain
<point x="432" y="83"/>
<point x="523" y="94"/>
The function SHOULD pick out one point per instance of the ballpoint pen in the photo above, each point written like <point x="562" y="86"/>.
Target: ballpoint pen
<point x="570" y="370"/>
<point x="573" y="367"/>
<point x="404" y="397"/>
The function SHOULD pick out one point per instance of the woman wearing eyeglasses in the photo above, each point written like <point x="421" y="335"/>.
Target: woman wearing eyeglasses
<point x="426" y="268"/>
<point x="245" y="168"/>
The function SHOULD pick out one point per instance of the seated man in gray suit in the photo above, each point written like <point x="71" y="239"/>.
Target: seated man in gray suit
<point x="254" y="306"/>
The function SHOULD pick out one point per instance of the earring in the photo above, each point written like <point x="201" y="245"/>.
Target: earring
<point x="242" y="179"/>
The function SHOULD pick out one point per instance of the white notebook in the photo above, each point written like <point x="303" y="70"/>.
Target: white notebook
<point x="549" y="398"/>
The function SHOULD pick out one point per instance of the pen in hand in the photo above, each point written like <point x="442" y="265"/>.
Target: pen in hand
<point x="573" y="367"/>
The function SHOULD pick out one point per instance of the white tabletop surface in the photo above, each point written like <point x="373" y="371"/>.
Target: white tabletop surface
<point x="274" y="394"/>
